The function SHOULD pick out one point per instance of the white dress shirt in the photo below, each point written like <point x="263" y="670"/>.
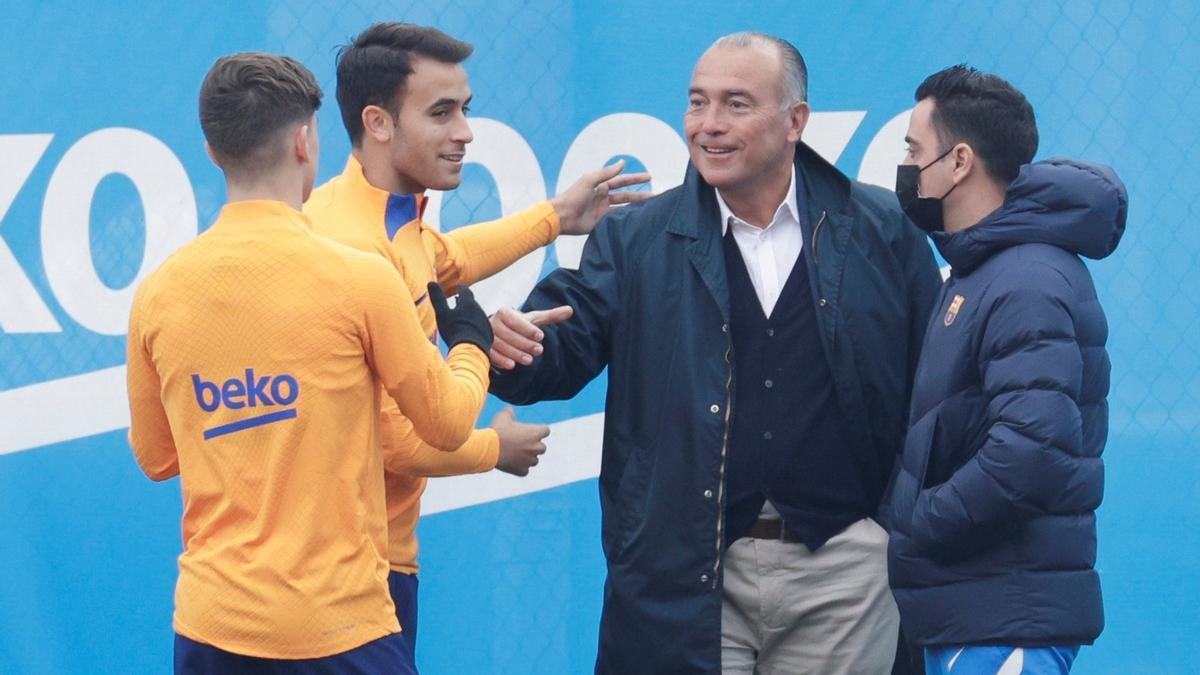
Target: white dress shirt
<point x="770" y="253"/>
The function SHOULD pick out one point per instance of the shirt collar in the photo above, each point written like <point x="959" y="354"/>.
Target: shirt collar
<point x="787" y="207"/>
<point x="262" y="212"/>
<point x="354" y="177"/>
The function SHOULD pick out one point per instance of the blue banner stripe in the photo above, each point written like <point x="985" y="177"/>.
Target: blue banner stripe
<point x="249" y="422"/>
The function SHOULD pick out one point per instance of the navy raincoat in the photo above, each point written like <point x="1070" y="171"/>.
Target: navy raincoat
<point x="652" y="304"/>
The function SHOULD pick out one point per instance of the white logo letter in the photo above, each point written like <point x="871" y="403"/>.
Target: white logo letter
<point x="828" y="133"/>
<point x="884" y="153"/>
<point x="21" y="308"/>
<point x="167" y="200"/>
<point x="651" y="140"/>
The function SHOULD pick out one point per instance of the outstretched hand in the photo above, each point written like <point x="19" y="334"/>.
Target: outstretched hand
<point x="583" y="204"/>
<point x="518" y="338"/>
<point x="521" y="445"/>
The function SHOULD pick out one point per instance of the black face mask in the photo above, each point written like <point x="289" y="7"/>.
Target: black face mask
<point x="925" y="212"/>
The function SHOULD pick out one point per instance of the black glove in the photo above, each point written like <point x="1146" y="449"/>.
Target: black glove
<point x="465" y="323"/>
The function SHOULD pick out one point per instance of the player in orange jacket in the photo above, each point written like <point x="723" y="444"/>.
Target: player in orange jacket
<point x="404" y="95"/>
<point x="257" y="354"/>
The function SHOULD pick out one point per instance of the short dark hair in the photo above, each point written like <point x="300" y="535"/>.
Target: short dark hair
<point x="246" y="99"/>
<point x="987" y="113"/>
<point x="373" y="69"/>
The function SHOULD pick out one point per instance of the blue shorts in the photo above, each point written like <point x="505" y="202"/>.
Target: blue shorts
<point x="990" y="660"/>
<point x="403" y="588"/>
<point x="388" y="654"/>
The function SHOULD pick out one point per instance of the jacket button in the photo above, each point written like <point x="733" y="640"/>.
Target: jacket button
<point x="822" y="302"/>
<point x="708" y="494"/>
<point x="714" y="408"/>
<point x="768" y="436"/>
<point x="704" y="578"/>
<point x="770" y="332"/>
<point x="768" y="384"/>
<point x="724" y="328"/>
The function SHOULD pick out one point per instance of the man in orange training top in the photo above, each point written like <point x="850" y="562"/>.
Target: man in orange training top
<point x="404" y="96"/>
<point x="257" y="354"/>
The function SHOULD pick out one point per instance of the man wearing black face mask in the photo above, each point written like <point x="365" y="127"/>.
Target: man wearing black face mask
<point x="992" y="513"/>
<point x="925" y="212"/>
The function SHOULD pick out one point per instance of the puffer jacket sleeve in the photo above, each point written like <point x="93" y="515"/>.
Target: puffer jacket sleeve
<point x="1031" y="369"/>
<point x="575" y="350"/>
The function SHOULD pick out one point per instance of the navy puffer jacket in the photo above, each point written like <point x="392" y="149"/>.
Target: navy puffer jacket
<point x="992" y="511"/>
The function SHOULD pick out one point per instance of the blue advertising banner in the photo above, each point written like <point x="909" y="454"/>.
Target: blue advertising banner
<point x="103" y="173"/>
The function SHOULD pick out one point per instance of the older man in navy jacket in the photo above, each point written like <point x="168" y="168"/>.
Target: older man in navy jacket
<point x="760" y="325"/>
<point x="994" y="536"/>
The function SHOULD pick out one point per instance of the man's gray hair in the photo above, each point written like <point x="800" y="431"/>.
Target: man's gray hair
<point x="795" y="73"/>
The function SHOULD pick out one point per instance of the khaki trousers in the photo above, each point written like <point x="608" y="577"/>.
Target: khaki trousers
<point x="790" y="611"/>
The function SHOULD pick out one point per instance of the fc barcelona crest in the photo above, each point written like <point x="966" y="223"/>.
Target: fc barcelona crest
<point x="952" y="313"/>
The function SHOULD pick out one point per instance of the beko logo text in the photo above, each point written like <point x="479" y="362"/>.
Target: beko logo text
<point x="249" y="391"/>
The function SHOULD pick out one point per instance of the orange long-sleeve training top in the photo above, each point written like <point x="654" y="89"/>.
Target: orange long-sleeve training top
<point x="257" y="355"/>
<point x="354" y="212"/>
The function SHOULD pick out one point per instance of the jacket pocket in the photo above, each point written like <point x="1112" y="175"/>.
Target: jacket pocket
<point x="914" y="466"/>
<point x="632" y="495"/>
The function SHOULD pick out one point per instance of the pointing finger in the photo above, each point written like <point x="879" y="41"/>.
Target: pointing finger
<point x="628" y="197"/>
<point x="604" y="173"/>
<point x="546" y="317"/>
<point x="627" y="179"/>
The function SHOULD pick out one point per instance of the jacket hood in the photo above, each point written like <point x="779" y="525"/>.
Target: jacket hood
<point x="1076" y="206"/>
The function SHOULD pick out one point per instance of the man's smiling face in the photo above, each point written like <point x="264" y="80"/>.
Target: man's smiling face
<point x="737" y="126"/>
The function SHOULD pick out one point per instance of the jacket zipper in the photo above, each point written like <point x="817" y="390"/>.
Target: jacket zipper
<point x="724" y="452"/>
<point x="816" y="231"/>
<point x="816" y="266"/>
